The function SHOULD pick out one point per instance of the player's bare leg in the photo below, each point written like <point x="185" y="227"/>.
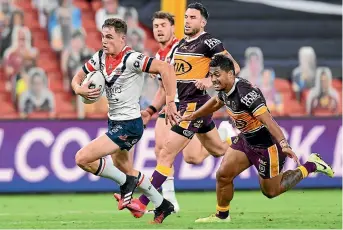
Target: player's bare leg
<point x="124" y="161"/>
<point x="287" y="180"/>
<point x="234" y="162"/>
<point x="168" y="189"/>
<point x="173" y="144"/>
<point x="196" y="153"/>
<point x="213" y="142"/>
<point x="92" y="158"/>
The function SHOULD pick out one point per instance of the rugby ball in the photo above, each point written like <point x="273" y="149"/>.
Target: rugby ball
<point x="97" y="81"/>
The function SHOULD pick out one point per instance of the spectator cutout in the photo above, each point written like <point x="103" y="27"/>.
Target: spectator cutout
<point x="323" y="100"/>
<point x="111" y="9"/>
<point x="38" y="98"/>
<point x="74" y="57"/>
<point x="62" y="22"/>
<point x="254" y="65"/>
<point x="272" y="96"/>
<point x="303" y="75"/>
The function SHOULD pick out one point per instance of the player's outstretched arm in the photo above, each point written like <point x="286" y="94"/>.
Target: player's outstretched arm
<point x="267" y="119"/>
<point x="156" y="104"/>
<point x="169" y="82"/>
<point x="168" y="77"/>
<point x="210" y="106"/>
<point x="84" y="90"/>
<point x="160" y="97"/>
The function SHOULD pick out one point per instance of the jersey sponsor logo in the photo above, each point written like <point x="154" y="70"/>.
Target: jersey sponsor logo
<point x="240" y="124"/>
<point x="250" y="98"/>
<point x="182" y="67"/>
<point x="112" y="91"/>
<point x="212" y="42"/>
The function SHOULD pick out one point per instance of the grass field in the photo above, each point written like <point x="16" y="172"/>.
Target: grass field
<point x="250" y="209"/>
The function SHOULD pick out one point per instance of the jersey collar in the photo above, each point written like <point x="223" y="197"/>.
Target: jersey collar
<point x="165" y="51"/>
<point x="233" y="87"/>
<point x="189" y="40"/>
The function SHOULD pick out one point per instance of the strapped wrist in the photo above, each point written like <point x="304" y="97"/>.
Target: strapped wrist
<point x="151" y="110"/>
<point x="284" y="144"/>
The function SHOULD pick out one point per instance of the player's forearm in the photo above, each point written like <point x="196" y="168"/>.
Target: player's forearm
<point x="237" y="68"/>
<point x="159" y="99"/>
<point x="210" y="107"/>
<point x="272" y="126"/>
<point x="169" y="82"/>
<point x="77" y="80"/>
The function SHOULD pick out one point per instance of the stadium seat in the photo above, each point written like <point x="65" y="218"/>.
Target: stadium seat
<point x="292" y="106"/>
<point x="282" y="85"/>
<point x="67" y="115"/>
<point x="337" y="84"/>
<point x="24" y="5"/>
<point x="38" y="115"/>
<point x="13" y="115"/>
<point x="96" y="115"/>
<point x="96" y="4"/>
<point x="83" y="5"/>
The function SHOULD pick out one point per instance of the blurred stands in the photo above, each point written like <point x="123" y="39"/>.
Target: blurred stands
<point x="238" y="24"/>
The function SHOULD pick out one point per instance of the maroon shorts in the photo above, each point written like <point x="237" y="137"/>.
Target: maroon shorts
<point x="199" y="125"/>
<point x="268" y="161"/>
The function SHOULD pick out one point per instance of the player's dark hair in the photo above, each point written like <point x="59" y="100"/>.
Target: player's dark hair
<point x="201" y="8"/>
<point x="118" y="25"/>
<point x="164" y="15"/>
<point x="223" y="62"/>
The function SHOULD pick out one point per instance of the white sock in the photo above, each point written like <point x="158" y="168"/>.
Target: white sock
<point x="168" y="187"/>
<point x="149" y="190"/>
<point x="108" y="170"/>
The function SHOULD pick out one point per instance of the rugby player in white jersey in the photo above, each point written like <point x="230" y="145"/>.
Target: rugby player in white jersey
<point x="123" y="70"/>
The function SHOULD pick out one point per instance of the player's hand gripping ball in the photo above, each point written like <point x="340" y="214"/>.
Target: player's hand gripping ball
<point x="95" y="85"/>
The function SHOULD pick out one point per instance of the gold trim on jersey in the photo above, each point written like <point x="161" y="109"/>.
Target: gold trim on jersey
<point x="273" y="161"/>
<point x="191" y="67"/>
<point x="260" y="110"/>
<point x="188" y="54"/>
<point x="191" y="107"/>
<point x="251" y="123"/>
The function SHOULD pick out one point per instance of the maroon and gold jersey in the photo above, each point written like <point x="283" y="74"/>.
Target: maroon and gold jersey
<point x="191" y="62"/>
<point x="244" y="103"/>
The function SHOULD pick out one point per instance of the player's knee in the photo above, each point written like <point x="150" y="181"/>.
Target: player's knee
<point x="270" y="193"/>
<point x="194" y="160"/>
<point x="158" y="149"/>
<point x="224" y="176"/>
<point x="80" y="158"/>
<point x="165" y="157"/>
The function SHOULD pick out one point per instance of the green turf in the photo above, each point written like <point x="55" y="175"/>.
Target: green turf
<point x="250" y="209"/>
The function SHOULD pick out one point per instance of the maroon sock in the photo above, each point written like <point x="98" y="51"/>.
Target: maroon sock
<point x="157" y="180"/>
<point x="310" y="167"/>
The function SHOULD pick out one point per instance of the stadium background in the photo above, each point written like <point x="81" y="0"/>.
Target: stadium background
<point x="42" y="124"/>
